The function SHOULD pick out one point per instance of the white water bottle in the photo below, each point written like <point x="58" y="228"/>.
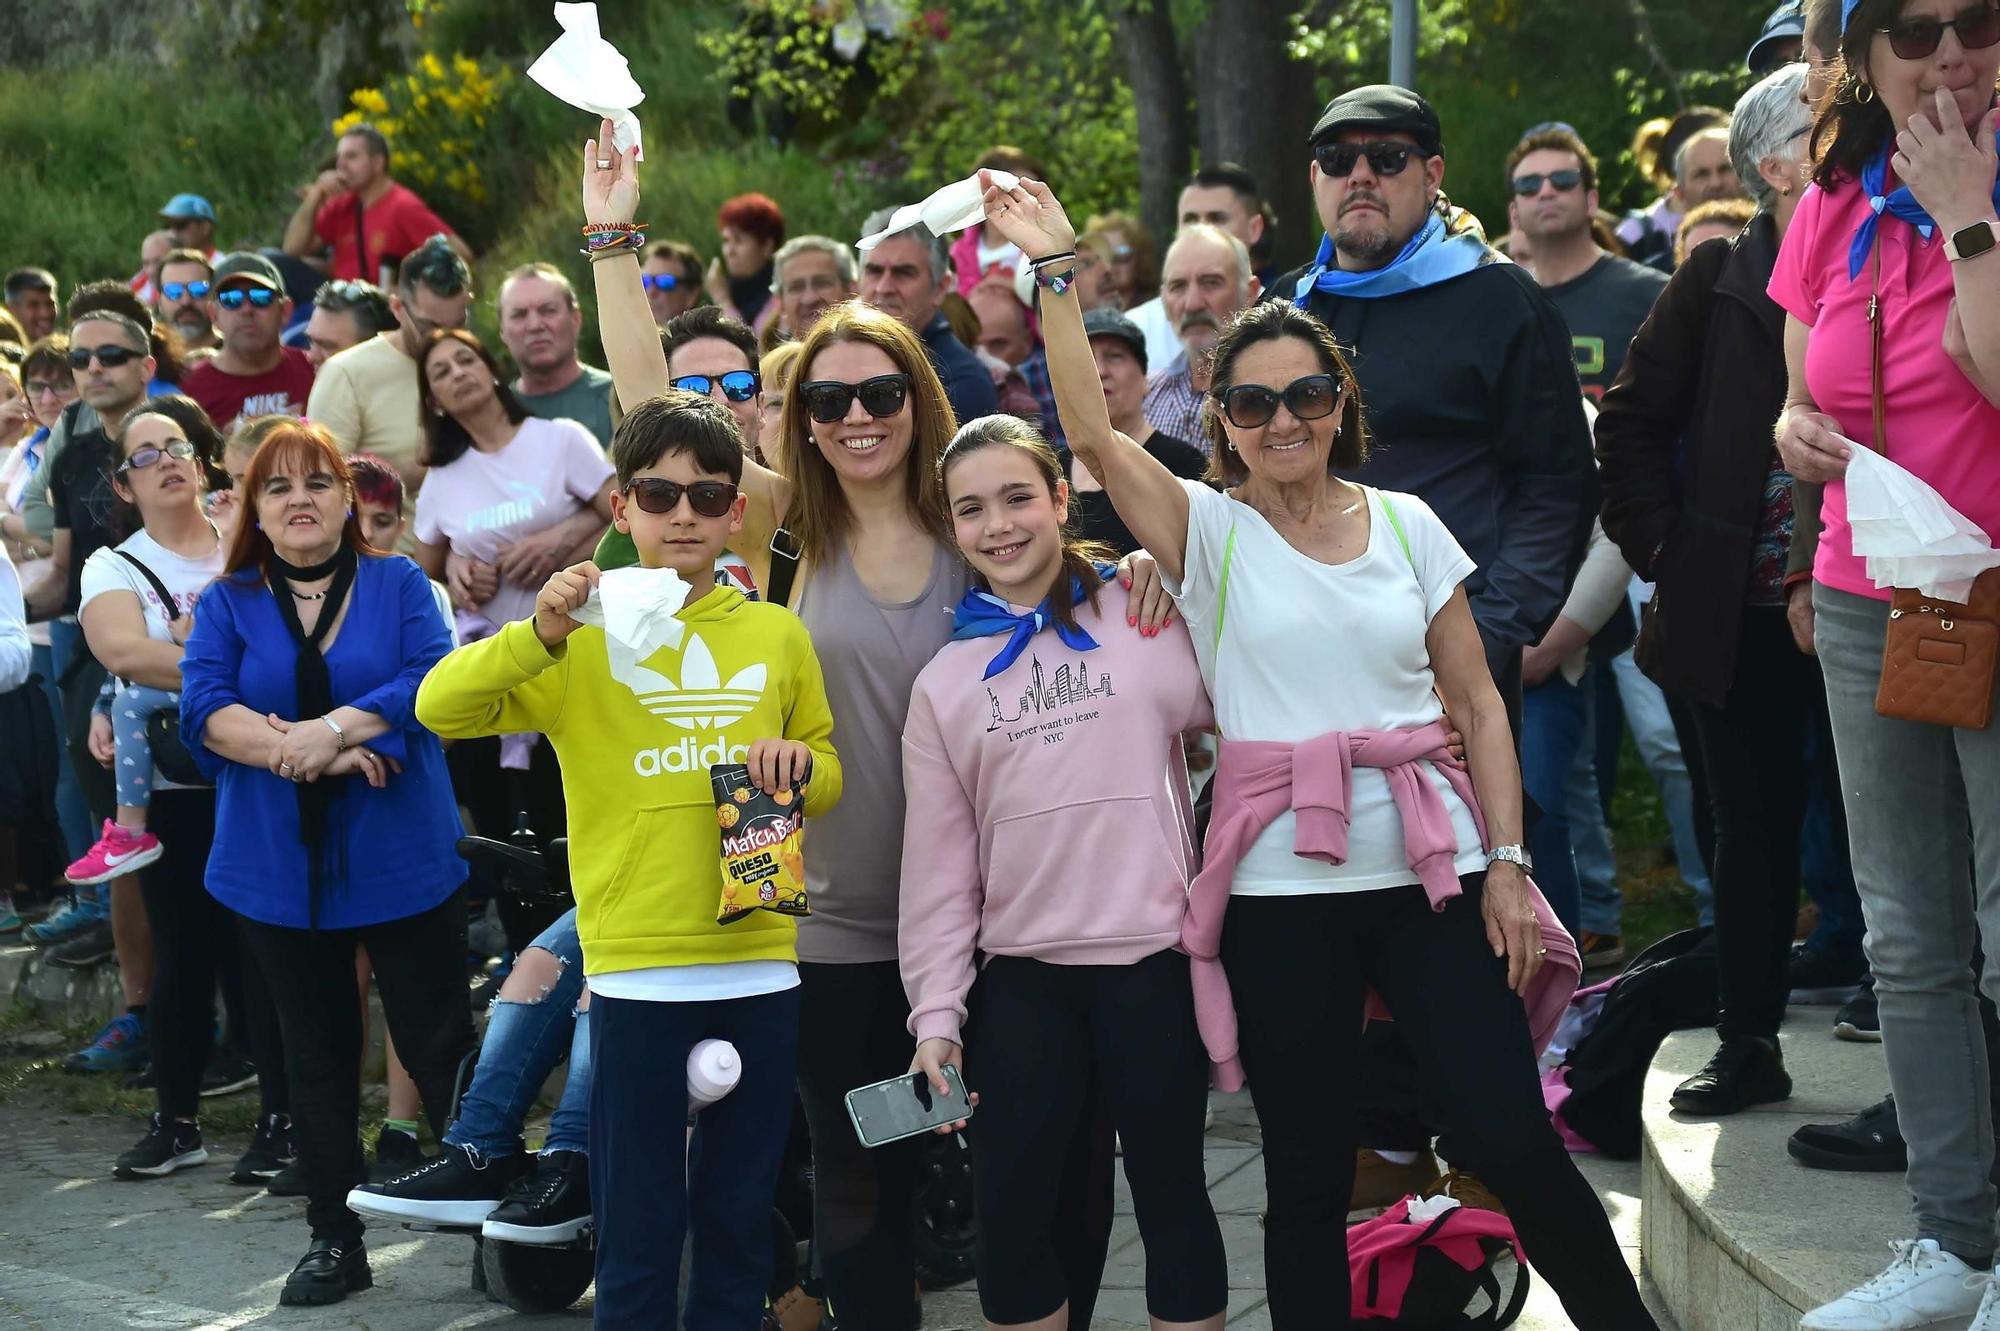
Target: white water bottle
<point x="714" y="1068"/>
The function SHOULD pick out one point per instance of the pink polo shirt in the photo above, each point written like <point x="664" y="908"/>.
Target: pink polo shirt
<point x="1940" y="427"/>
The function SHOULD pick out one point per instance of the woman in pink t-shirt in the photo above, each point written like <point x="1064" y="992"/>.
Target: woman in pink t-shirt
<point x="1901" y="219"/>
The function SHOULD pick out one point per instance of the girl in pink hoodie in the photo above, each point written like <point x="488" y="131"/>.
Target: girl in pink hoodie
<point x="1048" y="830"/>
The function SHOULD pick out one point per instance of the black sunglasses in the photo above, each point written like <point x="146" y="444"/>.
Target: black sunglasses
<point x="110" y="356"/>
<point x="664" y="281"/>
<point x="261" y="298"/>
<point x="1529" y="186"/>
<point x="711" y="499"/>
<point x="829" y="399"/>
<point x="1918" y="38"/>
<point x="145" y="457"/>
<point x="176" y="290"/>
<point x="1385" y="158"/>
<point x="1250" y="405"/>
<point x="737" y="385"/>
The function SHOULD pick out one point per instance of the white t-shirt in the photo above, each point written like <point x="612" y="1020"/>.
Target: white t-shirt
<point x="481" y="503"/>
<point x="1307" y="648"/>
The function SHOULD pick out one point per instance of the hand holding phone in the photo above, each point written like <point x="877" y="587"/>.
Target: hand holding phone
<point x="907" y="1106"/>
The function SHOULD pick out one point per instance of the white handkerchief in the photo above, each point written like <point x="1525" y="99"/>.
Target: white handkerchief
<point x="635" y="607"/>
<point x="586" y="71"/>
<point x="953" y="208"/>
<point x="1907" y="534"/>
<point x="1423" y="1210"/>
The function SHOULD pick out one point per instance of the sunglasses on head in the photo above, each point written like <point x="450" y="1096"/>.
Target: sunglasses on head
<point x="829" y="399"/>
<point x="1248" y="406"/>
<point x="177" y="290"/>
<point x="262" y="298"/>
<point x="1918" y="38"/>
<point x="737" y="385"/>
<point x="1530" y="185"/>
<point x="710" y="499"/>
<point x="1385" y="158"/>
<point x="145" y="457"/>
<point x="110" y="356"/>
<point x="664" y="281"/>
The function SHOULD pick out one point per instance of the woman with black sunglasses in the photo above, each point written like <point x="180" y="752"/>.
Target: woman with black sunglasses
<point x="1891" y="291"/>
<point x="1388" y="877"/>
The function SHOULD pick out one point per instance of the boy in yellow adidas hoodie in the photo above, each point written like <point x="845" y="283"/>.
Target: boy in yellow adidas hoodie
<point x="636" y="744"/>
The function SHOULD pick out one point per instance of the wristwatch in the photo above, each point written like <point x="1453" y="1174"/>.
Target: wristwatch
<point x="1514" y="854"/>
<point x="1969" y="242"/>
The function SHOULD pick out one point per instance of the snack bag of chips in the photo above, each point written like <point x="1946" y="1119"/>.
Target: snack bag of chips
<point x="763" y="866"/>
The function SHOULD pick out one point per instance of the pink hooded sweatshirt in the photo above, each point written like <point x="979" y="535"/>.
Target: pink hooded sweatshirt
<point x="1255" y="781"/>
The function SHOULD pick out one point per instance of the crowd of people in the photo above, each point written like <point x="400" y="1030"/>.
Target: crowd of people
<point x="295" y="589"/>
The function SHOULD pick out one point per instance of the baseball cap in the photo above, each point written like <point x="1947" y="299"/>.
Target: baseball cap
<point x="252" y="268"/>
<point x="1382" y="106"/>
<point x="1107" y="322"/>
<point x="1787" y="20"/>
<point x="188" y="208"/>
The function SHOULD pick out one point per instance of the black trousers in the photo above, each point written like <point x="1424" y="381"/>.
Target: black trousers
<point x="420" y="967"/>
<point x="1298" y="969"/>
<point x="853" y="1032"/>
<point x="198" y="943"/>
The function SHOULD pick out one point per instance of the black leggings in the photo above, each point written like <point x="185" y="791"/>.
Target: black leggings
<point x="1039" y="1036"/>
<point x="853" y="1031"/>
<point x="1298" y="968"/>
<point x="197" y="941"/>
<point x="420" y="968"/>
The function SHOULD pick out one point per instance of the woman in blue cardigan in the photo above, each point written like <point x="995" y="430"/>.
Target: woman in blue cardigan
<point x="335" y="823"/>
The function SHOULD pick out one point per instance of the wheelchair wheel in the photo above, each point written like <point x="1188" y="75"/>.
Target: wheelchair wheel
<point x="943" y="1220"/>
<point x="535" y="1280"/>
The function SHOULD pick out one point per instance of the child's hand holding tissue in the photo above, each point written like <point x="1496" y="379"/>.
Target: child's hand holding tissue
<point x="562" y="596"/>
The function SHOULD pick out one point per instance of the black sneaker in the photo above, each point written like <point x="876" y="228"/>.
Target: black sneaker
<point x="1858" y="1019"/>
<point x="1745" y="1071"/>
<point x="330" y="1271"/>
<point x="1869" y="1143"/>
<point x="549" y="1204"/>
<point x="396" y="1154"/>
<point x="85" y="950"/>
<point x="227" y="1074"/>
<point x="459" y="1186"/>
<point x="270" y="1152"/>
<point x="168" y="1145"/>
<point x="1816" y="977"/>
<point x="291" y="1181"/>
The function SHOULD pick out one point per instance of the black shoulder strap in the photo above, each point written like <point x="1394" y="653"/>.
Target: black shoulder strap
<point x="159" y="588"/>
<point x="785" y="555"/>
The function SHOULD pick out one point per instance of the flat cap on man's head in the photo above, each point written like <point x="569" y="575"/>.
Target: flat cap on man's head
<point x="1107" y="322"/>
<point x="1381" y="106"/>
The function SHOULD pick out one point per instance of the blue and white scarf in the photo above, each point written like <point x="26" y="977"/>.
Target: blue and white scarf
<point x="1431" y="257"/>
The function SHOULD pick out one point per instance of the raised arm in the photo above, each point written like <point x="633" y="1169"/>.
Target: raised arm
<point x="1147" y="496"/>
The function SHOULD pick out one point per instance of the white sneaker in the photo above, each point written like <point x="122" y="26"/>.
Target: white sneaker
<point x="1988" y="1316"/>
<point x="1922" y="1285"/>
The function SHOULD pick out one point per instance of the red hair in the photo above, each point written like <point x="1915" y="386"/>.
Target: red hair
<point x="297" y="446"/>
<point x="754" y="215"/>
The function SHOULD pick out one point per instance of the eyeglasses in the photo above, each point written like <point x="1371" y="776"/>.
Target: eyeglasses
<point x="178" y="290"/>
<point x="664" y="281"/>
<point x="1530" y="185"/>
<point x="737" y="385"/>
<point x="47" y="388"/>
<point x="829" y="399"/>
<point x="1384" y="158"/>
<point x="110" y="356"/>
<point x="1918" y="38"/>
<point x="262" y="298"/>
<point x="145" y="457"/>
<point x="1250" y="405"/>
<point x="710" y="499"/>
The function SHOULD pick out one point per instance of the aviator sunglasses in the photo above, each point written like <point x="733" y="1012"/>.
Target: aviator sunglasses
<point x="737" y="385"/>
<point x="829" y="399"/>
<point x="1918" y="38"/>
<point x="711" y="499"/>
<point x="176" y="290"/>
<point x="1384" y="158"/>
<point x="1249" y="406"/>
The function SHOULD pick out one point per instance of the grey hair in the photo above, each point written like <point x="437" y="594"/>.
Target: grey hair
<point x="842" y="256"/>
<point x="1767" y="119"/>
<point x="1699" y="136"/>
<point x="935" y="252"/>
<point x="1215" y="235"/>
<point x="548" y="272"/>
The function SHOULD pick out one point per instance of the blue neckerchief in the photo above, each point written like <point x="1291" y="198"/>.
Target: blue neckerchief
<point x="1847" y="8"/>
<point x="1431" y="257"/>
<point x="1901" y="203"/>
<point x="982" y="614"/>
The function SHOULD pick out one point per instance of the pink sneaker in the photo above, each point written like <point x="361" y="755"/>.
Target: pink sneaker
<point x="117" y="853"/>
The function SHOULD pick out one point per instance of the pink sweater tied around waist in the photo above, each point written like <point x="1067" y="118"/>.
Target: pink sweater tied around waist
<point x="1255" y="781"/>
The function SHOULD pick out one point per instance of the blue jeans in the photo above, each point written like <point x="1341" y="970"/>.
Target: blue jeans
<point x="524" y="1041"/>
<point x="647" y="1192"/>
<point x="72" y="811"/>
<point x="1552" y="731"/>
<point x="1602" y="906"/>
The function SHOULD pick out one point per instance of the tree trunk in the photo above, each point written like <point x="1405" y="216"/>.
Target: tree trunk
<point x="1153" y="67"/>
<point x="1256" y="110"/>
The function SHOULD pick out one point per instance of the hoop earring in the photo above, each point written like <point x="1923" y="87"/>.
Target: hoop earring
<point x="1864" y="93"/>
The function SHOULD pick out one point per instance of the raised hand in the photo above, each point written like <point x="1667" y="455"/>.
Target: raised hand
<point x="1948" y="168"/>
<point x="1029" y="216"/>
<point x="610" y="180"/>
<point x="566" y="592"/>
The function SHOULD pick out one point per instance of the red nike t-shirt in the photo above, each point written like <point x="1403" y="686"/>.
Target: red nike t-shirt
<point x="278" y="392"/>
<point x="390" y="228"/>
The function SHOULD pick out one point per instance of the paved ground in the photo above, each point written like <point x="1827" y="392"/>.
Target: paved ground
<point x="81" y="1251"/>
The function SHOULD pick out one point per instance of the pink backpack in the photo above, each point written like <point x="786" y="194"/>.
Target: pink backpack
<point x="1417" y="1275"/>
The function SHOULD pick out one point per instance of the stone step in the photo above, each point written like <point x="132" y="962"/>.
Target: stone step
<point x="57" y="996"/>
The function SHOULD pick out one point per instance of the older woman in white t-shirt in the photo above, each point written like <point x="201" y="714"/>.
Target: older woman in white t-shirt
<point x="1347" y="851"/>
<point x="137" y="601"/>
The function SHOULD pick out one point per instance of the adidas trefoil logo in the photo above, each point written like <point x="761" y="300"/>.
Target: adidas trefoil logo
<point x="701" y="701"/>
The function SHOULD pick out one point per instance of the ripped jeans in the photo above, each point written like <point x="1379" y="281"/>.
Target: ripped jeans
<point x="525" y="1038"/>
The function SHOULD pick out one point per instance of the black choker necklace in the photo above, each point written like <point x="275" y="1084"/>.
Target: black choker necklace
<point x="309" y="596"/>
<point x="306" y="572"/>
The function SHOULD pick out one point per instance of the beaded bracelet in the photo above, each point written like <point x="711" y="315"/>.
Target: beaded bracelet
<point x="632" y="243"/>
<point x="598" y="228"/>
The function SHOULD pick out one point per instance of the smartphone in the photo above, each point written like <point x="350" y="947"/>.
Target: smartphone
<point x="905" y="1106"/>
